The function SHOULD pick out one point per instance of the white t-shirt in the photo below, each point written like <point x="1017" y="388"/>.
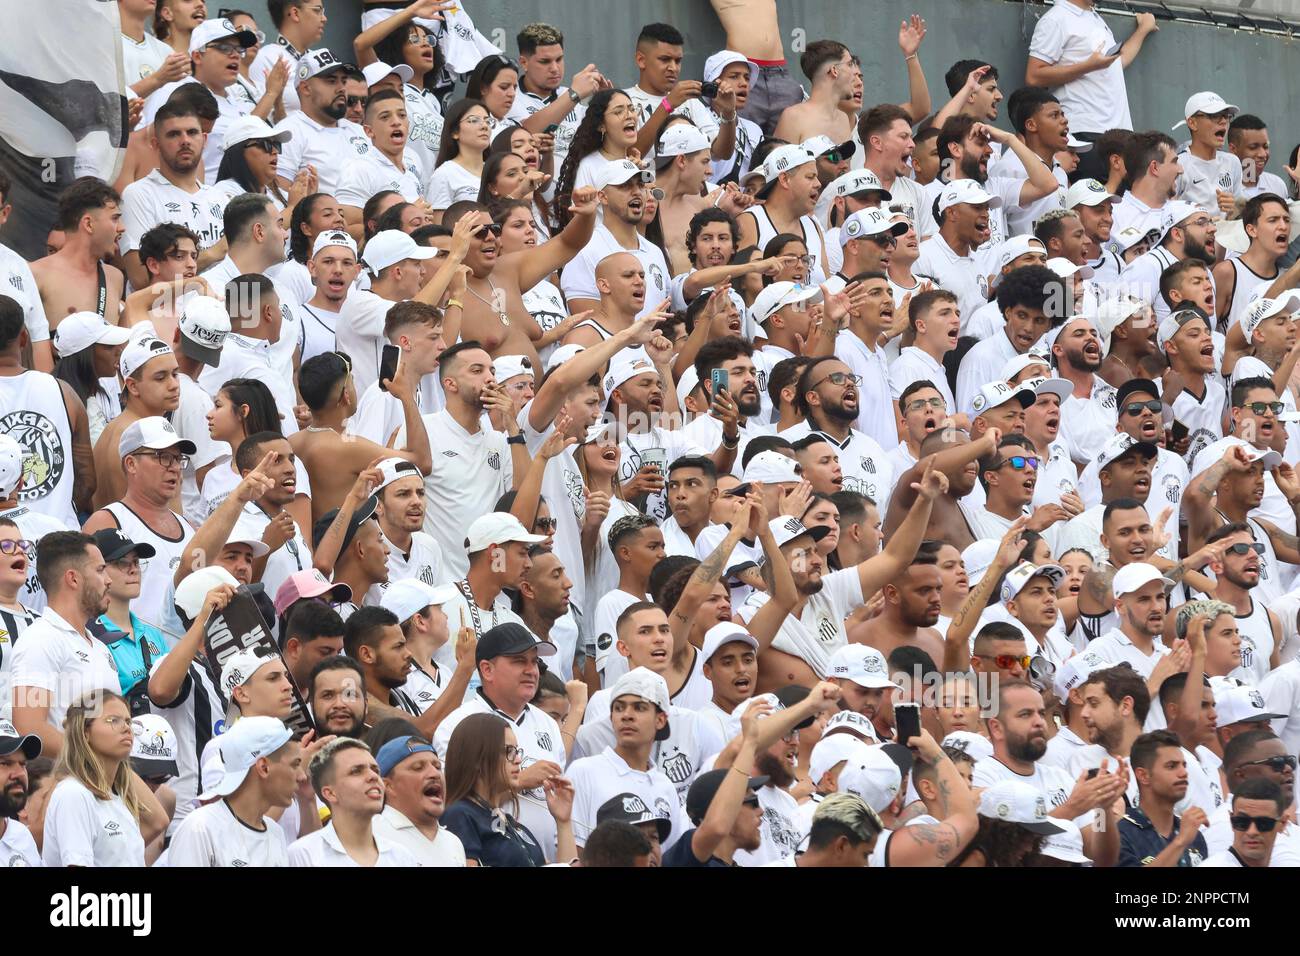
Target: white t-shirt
<point x="578" y="279"/>
<point x="1281" y="689"/>
<point x="1114" y="646"/>
<point x="958" y="274"/>
<point x="17" y="847"/>
<point x="374" y="172"/>
<point x="1202" y="179"/>
<point x="82" y="830"/>
<point x="213" y="836"/>
<point x="360" y="333"/>
<point x="610" y="664"/>
<point x="598" y="778"/>
<point x="914" y="365"/>
<point x="327" y="148"/>
<point x="267" y="57"/>
<point x="1097" y="101"/>
<point x="445" y="850"/>
<point x="20" y="285"/>
<point x="142" y="59"/>
<point x="450" y="183"/>
<point x="153" y="200"/>
<point x="779" y="829"/>
<point x="818" y="632"/>
<point x="56" y="657"/>
<point x="1054" y="783"/>
<point x="191" y="422"/>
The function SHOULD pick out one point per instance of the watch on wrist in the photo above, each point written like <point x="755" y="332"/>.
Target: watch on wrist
<point x="515" y="440"/>
<point x="574" y="95"/>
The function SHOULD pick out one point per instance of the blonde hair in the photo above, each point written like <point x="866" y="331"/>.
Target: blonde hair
<point x="79" y="761"/>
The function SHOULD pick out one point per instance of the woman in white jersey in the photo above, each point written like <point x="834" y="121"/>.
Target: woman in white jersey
<point x="465" y="139"/>
<point x="607" y="132"/>
<point x="101" y="813"/>
<point x="87" y="360"/>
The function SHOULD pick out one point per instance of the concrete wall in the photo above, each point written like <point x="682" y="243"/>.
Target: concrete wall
<point x="1244" y="68"/>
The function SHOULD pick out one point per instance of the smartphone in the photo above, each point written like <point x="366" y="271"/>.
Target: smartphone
<point x="1115" y="49"/>
<point x="708" y="89"/>
<point x="1093" y="772"/>
<point x="1178" y="431"/>
<point x="720" y="379"/>
<point x="551" y="128"/>
<point x="388" y="365"/>
<point x="907" y="720"/>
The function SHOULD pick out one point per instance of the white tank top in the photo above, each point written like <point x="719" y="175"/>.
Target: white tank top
<point x="33" y="413"/>
<point x="1243" y="291"/>
<point x="317" y="331"/>
<point x="1256" y="640"/>
<point x="156" y="573"/>
<point x="604" y="334"/>
<point x="812" y="239"/>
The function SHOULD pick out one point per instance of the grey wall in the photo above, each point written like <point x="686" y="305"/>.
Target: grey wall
<point x="1244" y="68"/>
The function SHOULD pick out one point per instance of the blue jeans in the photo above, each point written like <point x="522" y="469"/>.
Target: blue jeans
<point x="771" y="92"/>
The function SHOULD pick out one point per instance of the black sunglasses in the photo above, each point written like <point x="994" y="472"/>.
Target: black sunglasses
<point x="493" y="227"/>
<point x="356" y="100"/>
<point x="1135" y="408"/>
<point x="1241" y="822"/>
<point x="1245" y="547"/>
<point x="1276" y="764"/>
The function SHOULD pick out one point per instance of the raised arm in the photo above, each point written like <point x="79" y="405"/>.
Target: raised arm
<point x="707" y="573"/>
<point x="168" y="678"/>
<point x="1041" y="181"/>
<point x="326" y="554"/>
<point x="937" y="844"/>
<point x="535" y="264"/>
<point x="364" y="45"/>
<point x="767" y="621"/>
<point x="876" y="571"/>
<point x="910" y="34"/>
<point x="956" y="643"/>
<point x="213" y="534"/>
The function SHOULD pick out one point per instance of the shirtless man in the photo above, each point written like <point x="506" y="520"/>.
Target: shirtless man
<point x="956" y="456"/>
<point x="494" y="311"/>
<point x="333" y="460"/>
<point x="684" y="167"/>
<point x="752" y="28"/>
<point x="76" y="279"/>
<point x="621" y="282"/>
<point x="912" y="608"/>
<point x="829" y="66"/>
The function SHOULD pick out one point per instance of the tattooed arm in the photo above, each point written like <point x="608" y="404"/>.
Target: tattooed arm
<point x="1285" y="544"/>
<point x="706" y="574"/>
<point x="1095" y="595"/>
<point x="956" y="649"/>
<point x="947" y="797"/>
<point x="1199" y="497"/>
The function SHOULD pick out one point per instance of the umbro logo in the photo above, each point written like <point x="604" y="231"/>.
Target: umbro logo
<point x="450" y="454"/>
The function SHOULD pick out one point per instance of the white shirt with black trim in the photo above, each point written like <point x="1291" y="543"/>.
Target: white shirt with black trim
<point x="779" y="828"/>
<point x="212" y="836"/>
<point x="374" y="172"/>
<point x="323" y="848"/>
<point x="958" y="274"/>
<point x="863" y="463"/>
<point x="598" y="778"/>
<point x="1116" y="647"/>
<point x="1053" y="782"/>
<point x="578" y="278"/>
<point x="328" y="149"/>
<point x="818" y="632"/>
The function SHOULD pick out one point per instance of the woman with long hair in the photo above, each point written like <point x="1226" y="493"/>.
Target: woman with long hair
<point x="494" y="83"/>
<point x="312" y="214"/>
<point x="484" y="761"/>
<point x="241" y="407"/>
<point x="249" y="164"/>
<point x="399" y="41"/>
<point x="459" y="173"/>
<point x="101" y="813"/>
<point x="544" y="301"/>
<point x="507" y="176"/>
<point x="598" y="464"/>
<point x="607" y="132"/>
<point x="175" y="20"/>
<point x="537" y="169"/>
<point x="90" y="367"/>
<point x="794" y="253"/>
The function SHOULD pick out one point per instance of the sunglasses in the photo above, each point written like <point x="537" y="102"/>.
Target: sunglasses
<point x="1276" y="764"/>
<point x="1259" y="408"/>
<point x="420" y="38"/>
<point x="270" y="146"/>
<point x="1018" y="462"/>
<point x="1135" y="408"/>
<point x="18" y="546"/>
<point x="1006" y="661"/>
<point x="1243" y="547"/>
<point x="1241" y="822"/>
<point x="885" y="239"/>
<point x="494" y="228"/>
<point x="545" y="525"/>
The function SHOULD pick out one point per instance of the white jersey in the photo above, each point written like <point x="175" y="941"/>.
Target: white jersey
<point x="578" y="278"/>
<point x="267" y="57"/>
<point x="34" y="413"/>
<point x="56" y="657"/>
<point x="605" y="775"/>
<point x="779" y="828"/>
<point x="451" y="183"/>
<point x="1257" y="643"/>
<point x="1088" y="423"/>
<point x="546" y="305"/>
<point x="424" y="113"/>
<point x="1096" y="101"/>
<point x="143" y="58"/>
<point x="957" y="273"/>
<point x="1203" y="179"/>
<point x="422" y="563"/>
<point x="1054" y="783"/>
<point x="359" y="331"/>
<point x="323" y="848"/>
<point x="328" y="149"/>
<point x="1114" y="646"/>
<point x="83" y="830"/>
<point x="1248" y="286"/>
<point x="374" y="172"/>
<point x="13" y="622"/>
<point x="875" y="402"/>
<point x="20" y="285"/>
<point x="914" y="365"/>
<point x="445" y="850"/>
<point x="318" y="327"/>
<point x="153" y="200"/>
<point x="1203" y="416"/>
<point x="812" y="240"/>
<point x="288" y="559"/>
<point x="610" y="664"/>
<point x="156" y="573"/>
<point x="17" y="847"/>
<point x="212" y="836"/>
<point x="196" y="716"/>
<point x="1281" y="690"/>
<point x="864" y="464"/>
<point x="818" y="632"/>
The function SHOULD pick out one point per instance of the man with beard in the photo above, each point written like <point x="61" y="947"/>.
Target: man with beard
<point x="885" y="132"/>
<point x="949" y="255"/>
<point x="414" y="788"/>
<point x="1240" y="280"/>
<point x="788" y="197"/>
<point x="934" y="321"/>
<point x="1116" y="701"/>
<point x="373" y="638"/>
<point x="507" y="658"/>
<point x="1237" y="577"/>
<point x="1139" y="590"/>
<point x="387" y="164"/>
<point x="637" y="545"/>
<point x="828" y="401"/>
<point x="1151" y="834"/>
<point x="867" y="240"/>
<point x="859" y="346"/>
<point x="76" y="277"/>
<point x="412" y="553"/>
<point x="691" y="492"/>
<point x="336" y="697"/>
<point x="1187" y="232"/>
<point x="1018" y="730"/>
<point x="17" y="848"/>
<point x="1088" y="413"/>
<point x="912" y="608"/>
<point x="173" y="193"/>
<point x="321" y="137"/>
<point x="1031" y="299"/>
<point x="735" y="356"/>
<point x="1249" y="758"/>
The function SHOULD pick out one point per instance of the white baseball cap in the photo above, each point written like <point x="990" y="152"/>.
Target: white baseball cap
<point x="1111" y="313"/>
<point x="1137" y="575"/>
<point x="246" y="531"/>
<point x="12" y="455"/>
<point x="378" y="70"/>
<point x="1076" y="670"/>
<point x="1119" y="445"/>
<point x="857" y="181"/>
<point x="204" y="324"/>
<point x="783" y="159"/>
<point x="1211" y="104"/>
<point x="509" y="366"/>
<point x="1235" y="705"/>
<point x="1171" y="324"/>
<point x="968" y="742"/>
<point x="239" y="668"/>
<point x="718" y="62"/>
<point x="155" y="433"/>
<point x="1017" y="802"/>
<point x="253" y="127"/>
<point x="1126" y="238"/>
<point x="770" y="468"/>
<point x="832" y="750"/>
<point x="1018" y="363"/>
<point x="977" y="558"/>
<point x="851" y="723"/>
<point x="871" y="775"/>
<point x="316" y="62"/>
<point x="870" y="222"/>
<point x="1062" y="388"/>
<point x="777" y="295"/>
<point x="649" y="686"/>
<point x="687" y="383"/>
<point x="1065" y="268"/>
<point x="999" y="393"/>
<point x="411" y="595"/>
<point x="1212" y="452"/>
<point x="627" y="365"/>
<point x="246" y="742"/>
<point x="153" y="747"/>
<point x="562" y="355"/>
<point x="194" y="588"/>
<point x="681" y="139"/>
<point x="394" y="469"/>
<point x="81" y="330"/>
<point x="391" y="247"/>
<point x="1013" y="248"/>
<point x="862" y="664"/>
<point x="1175" y="212"/>
<point x="1259" y="310"/>
<point x="1066" y="846"/>
<point x="1022" y="573"/>
<point x="498" y="527"/>
<point x="722" y="634"/>
<point x="1088" y="192"/>
<point x="142" y="346"/>
<point x="336" y="237"/>
<point x="218" y="28"/>
<point x="787" y="528"/>
<point x="967" y="191"/>
<point x="821" y="144"/>
<point x="618" y="171"/>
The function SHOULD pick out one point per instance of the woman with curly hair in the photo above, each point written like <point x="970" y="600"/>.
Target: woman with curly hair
<point x="1013" y="824"/>
<point x="607" y="132"/>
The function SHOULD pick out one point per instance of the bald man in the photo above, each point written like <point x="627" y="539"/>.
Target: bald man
<point x="620" y="279"/>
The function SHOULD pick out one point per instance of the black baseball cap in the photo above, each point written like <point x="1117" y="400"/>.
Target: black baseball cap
<point x="11" y="740"/>
<point x="629" y="808"/>
<point x="705" y="787"/>
<point x="1143" y="385"/>
<point x="793" y="694"/>
<point x="114" y="545"/>
<point x="509" y="638"/>
<point x="365" y="511"/>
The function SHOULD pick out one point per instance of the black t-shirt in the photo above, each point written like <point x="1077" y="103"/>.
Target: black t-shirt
<point x="492" y="837"/>
<point x="681" y="854"/>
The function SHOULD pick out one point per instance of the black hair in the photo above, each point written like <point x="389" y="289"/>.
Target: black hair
<point x="485" y="73"/>
<point x="660" y="33"/>
<point x="78" y="370"/>
<point x="533" y="35"/>
<point x="1121" y="682"/>
<point x="717" y="351"/>
<point x="783" y="374"/>
<point x="587" y="139"/>
<point x="247" y="454"/>
<point x="163" y="238"/>
<point x="242" y="212"/>
<point x="955" y="78"/>
<point x="665" y="570"/>
<point x="392" y="217"/>
<point x="263" y="414"/>
<point x="1254" y="207"/>
<point x="309" y="621"/>
<point x="390" y="50"/>
<point x="1260" y="788"/>
<point x="1244" y="386"/>
<point x="1035" y="287"/>
<point x="364" y="627"/>
<point x="702" y="219"/>
<point x="336" y="662"/>
<point x="317" y="377"/>
<point x="702" y="462"/>
<point x="1120" y="504"/>
<point x="762" y="443"/>
<point x="1143" y="149"/>
<point x="1025" y="102"/>
<point x="234" y="166"/>
<point x="244" y="294"/>
<point x="614" y="844"/>
<point x="299" y="242"/>
<point x="56" y="552"/>
<point x="370" y="211"/>
<point x="82" y="196"/>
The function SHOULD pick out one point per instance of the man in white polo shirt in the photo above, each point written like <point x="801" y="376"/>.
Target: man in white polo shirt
<point x="322" y="138"/>
<point x="57" y="662"/>
<point x="1139" y="590"/>
<point x="414" y="789"/>
<point x="949" y="254"/>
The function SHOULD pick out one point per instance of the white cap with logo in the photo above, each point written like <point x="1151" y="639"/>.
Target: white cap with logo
<point x="390" y="247"/>
<point x="335" y="237"/>
<point x="874" y="777"/>
<point x="1017" y="802"/>
<point x="1135" y="576"/>
<point x="1088" y="192"/>
<point x="497" y="527"/>
<point x="863" y="665"/>
<point x="870" y="222"/>
<point x="204" y="324"/>
<point x="618" y="171"/>
<point x="316" y="62"/>
<point x="379" y="70"/>
<point x="681" y="139"/>
<point x="248" y="127"/>
<point x="155" y="433"/>
<point x="719" y="635"/>
<point x="246" y="742"/>
<point x="1207" y="102"/>
<point x="218" y="28"/>
<point x="777" y="295"/>
<point x="857" y="181"/>
<point x="81" y="330"/>
<point x="969" y="192"/>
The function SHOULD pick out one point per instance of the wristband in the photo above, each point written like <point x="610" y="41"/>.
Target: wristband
<point x="515" y="440"/>
<point x="666" y="105"/>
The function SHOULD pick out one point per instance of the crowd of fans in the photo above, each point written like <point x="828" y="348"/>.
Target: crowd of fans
<point x="650" y="470"/>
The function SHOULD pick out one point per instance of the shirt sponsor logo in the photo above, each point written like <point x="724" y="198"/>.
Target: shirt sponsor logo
<point x="46" y="458"/>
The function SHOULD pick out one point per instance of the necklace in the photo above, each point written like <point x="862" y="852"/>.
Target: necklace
<point x="497" y="303"/>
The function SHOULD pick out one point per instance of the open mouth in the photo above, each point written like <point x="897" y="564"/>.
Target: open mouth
<point x="930" y="424"/>
<point x="1149" y="430"/>
<point x="953" y="335"/>
<point x="715" y="258"/>
<point x="742" y="684"/>
<point x="635" y="205"/>
<point x="1142" y="484"/>
<point x="19" y="565"/>
<point x="375" y="793"/>
<point x="638" y="295"/>
<point x="734" y="327"/>
<point x="1092" y="351"/>
<point x="630" y="128"/>
<point x="610" y="454"/>
<point x="656" y="403"/>
<point x="1053" y="423"/>
<point x="1028" y="484"/>
<point x="659" y="654"/>
<point x="432" y="790"/>
<point x="289" y="484"/>
<point x="982" y="228"/>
